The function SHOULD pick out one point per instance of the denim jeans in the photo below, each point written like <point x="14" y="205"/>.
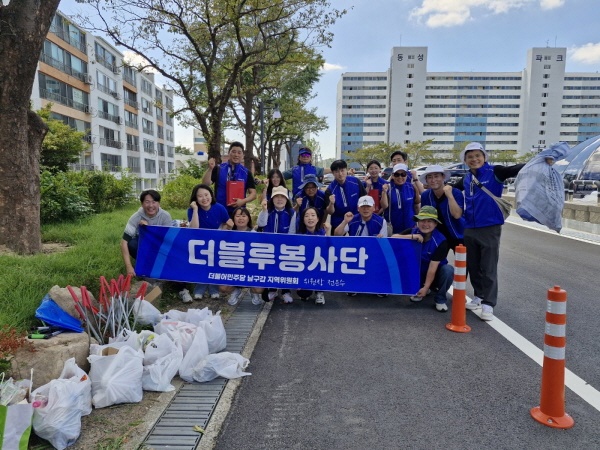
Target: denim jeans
<point x="200" y="288"/>
<point x="442" y="282"/>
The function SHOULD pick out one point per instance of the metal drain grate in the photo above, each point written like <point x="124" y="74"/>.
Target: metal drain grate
<point x="195" y="402"/>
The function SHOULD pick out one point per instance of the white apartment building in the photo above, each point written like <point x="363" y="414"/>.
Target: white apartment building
<point x="122" y="111"/>
<point x="520" y="111"/>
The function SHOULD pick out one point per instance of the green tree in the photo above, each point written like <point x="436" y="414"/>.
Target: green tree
<point x="180" y="149"/>
<point x="24" y="25"/>
<point x="62" y="144"/>
<point x="203" y="46"/>
<point x="379" y="152"/>
<point x="420" y="153"/>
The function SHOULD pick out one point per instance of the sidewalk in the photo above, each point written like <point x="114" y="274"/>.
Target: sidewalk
<point x="571" y="228"/>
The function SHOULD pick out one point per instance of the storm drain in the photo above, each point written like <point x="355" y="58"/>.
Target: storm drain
<point x="195" y="402"/>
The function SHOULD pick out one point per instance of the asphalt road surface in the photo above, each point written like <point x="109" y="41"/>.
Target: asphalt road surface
<point x="384" y="373"/>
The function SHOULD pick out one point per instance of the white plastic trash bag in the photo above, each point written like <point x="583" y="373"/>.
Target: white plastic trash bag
<point x="176" y="315"/>
<point x="116" y="378"/>
<point x="215" y="333"/>
<point x="224" y="364"/>
<point x="145" y="313"/>
<point x="82" y="385"/>
<point x="58" y="419"/>
<point x="15" y="423"/>
<point x="195" y="316"/>
<point x="181" y="332"/>
<point x="197" y="352"/>
<point x="162" y="359"/>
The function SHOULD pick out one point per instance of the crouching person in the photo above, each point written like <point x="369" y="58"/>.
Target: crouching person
<point x="436" y="273"/>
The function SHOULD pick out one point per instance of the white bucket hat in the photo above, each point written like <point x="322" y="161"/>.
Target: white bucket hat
<point x="436" y="168"/>
<point x="473" y="146"/>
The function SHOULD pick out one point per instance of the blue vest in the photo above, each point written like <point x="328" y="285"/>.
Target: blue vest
<point x="455" y="227"/>
<point x="427" y="250"/>
<point x="346" y="199"/>
<point x="481" y="209"/>
<point x="279" y="221"/>
<point x="318" y="201"/>
<point x="298" y="173"/>
<point x="355" y="227"/>
<point x="319" y="232"/>
<point x="227" y="173"/>
<point x="401" y="209"/>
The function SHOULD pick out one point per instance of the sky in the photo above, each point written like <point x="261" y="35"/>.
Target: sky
<point x="461" y="36"/>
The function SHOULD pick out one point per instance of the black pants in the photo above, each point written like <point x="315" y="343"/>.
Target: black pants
<point x="483" y="252"/>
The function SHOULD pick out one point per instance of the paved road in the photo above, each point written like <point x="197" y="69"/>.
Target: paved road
<point x="367" y="372"/>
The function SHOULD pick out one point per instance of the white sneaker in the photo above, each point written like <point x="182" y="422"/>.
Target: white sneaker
<point x="414" y="298"/>
<point x="475" y="303"/>
<point x="487" y="312"/>
<point x="320" y="300"/>
<point x="272" y="295"/>
<point x="185" y="296"/>
<point x="197" y="296"/>
<point x="215" y="295"/>
<point x="256" y="300"/>
<point x="441" y="307"/>
<point x="287" y="298"/>
<point x="234" y="297"/>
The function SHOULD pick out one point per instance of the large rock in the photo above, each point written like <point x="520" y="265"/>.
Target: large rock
<point x="49" y="356"/>
<point x="65" y="300"/>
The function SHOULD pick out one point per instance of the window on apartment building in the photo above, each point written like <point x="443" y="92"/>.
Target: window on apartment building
<point x="129" y="75"/>
<point x="545" y="85"/>
<point x="146" y="106"/>
<point x="146" y="87"/>
<point x="409" y="94"/>
<point x="408" y="105"/>
<point x="547" y="66"/>
<point x="544" y="94"/>
<point x="133" y="143"/>
<point x="150" y="165"/>
<point x="547" y="58"/>
<point x="131" y="119"/>
<point x="544" y="105"/>
<point x="59" y="92"/>
<point x="408" y="113"/>
<point x="106" y="58"/>
<point x="106" y="84"/>
<point x="542" y="123"/>
<point x="110" y="163"/>
<point x="407" y="124"/>
<point x="409" y="85"/>
<point x="147" y="126"/>
<point x="546" y="75"/>
<point x="407" y="132"/>
<point x="542" y="132"/>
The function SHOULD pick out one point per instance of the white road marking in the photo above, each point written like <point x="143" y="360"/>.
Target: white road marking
<point x="572" y="381"/>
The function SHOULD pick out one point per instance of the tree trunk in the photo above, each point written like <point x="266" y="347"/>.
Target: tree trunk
<point x="24" y="25"/>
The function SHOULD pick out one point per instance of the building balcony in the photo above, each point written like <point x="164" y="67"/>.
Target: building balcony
<point x="57" y="98"/>
<point x="132" y="103"/>
<point x="111" y="143"/>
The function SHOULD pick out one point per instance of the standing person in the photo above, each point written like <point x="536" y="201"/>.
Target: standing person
<point x="376" y="186"/>
<point x="301" y="169"/>
<point x="436" y="273"/>
<point x="483" y="224"/>
<point x="311" y="196"/>
<point x="447" y="200"/>
<point x="311" y="223"/>
<point x="400" y="157"/>
<point x="205" y="212"/>
<point x="150" y="213"/>
<point x="403" y="200"/>
<point x="274" y="178"/>
<point x="277" y="216"/>
<point x="343" y="193"/>
<point x="225" y="176"/>
<point x="242" y="221"/>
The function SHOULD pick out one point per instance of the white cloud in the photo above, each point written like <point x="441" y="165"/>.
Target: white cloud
<point x="136" y="60"/>
<point x="328" y="67"/>
<point x="586" y="54"/>
<point x="551" y="4"/>
<point x="448" y="13"/>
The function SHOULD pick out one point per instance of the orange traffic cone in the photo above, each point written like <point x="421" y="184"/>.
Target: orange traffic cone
<point x="459" y="296"/>
<point x="551" y="411"/>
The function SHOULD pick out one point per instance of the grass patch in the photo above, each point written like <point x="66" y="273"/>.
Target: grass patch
<point x="93" y="250"/>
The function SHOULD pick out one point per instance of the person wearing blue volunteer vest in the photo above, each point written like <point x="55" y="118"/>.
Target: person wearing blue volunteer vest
<point x="436" y="274"/>
<point x="301" y="169"/>
<point x="483" y="224"/>
<point x="310" y="196"/>
<point x="277" y="216"/>
<point x="403" y="200"/>
<point x="447" y="200"/>
<point x="342" y="194"/>
<point x="205" y="212"/>
<point x="232" y="170"/>
<point x="400" y="157"/>
<point x="374" y="183"/>
<point x="365" y="223"/>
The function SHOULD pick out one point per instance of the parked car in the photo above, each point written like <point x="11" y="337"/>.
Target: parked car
<point x="387" y="173"/>
<point x="456" y="169"/>
<point x="360" y="174"/>
<point x="327" y="178"/>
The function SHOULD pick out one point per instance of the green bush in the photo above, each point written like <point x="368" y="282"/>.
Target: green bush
<point x="64" y="197"/>
<point x="107" y="192"/>
<point x="177" y="192"/>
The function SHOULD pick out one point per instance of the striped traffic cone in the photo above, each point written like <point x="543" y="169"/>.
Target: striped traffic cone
<point x="551" y="411"/>
<point x="459" y="296"/>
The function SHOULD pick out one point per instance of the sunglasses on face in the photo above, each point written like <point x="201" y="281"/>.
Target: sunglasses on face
<point x="400" y="174"/>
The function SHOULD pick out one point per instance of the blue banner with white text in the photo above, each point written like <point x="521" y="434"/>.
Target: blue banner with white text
<point x="268" y="260"/>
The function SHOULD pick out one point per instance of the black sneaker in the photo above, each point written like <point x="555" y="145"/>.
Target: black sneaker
<point x="351" y="294"/>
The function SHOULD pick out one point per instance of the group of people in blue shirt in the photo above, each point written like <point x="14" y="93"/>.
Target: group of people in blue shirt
<point x="425" y="208"/>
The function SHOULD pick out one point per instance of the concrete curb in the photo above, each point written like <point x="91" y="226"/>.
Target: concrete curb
<point x="212" y="431"/>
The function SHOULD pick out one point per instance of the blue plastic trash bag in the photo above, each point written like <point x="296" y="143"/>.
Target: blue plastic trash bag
<point x="539" y="189"/>
<point x="52" y="314"/>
